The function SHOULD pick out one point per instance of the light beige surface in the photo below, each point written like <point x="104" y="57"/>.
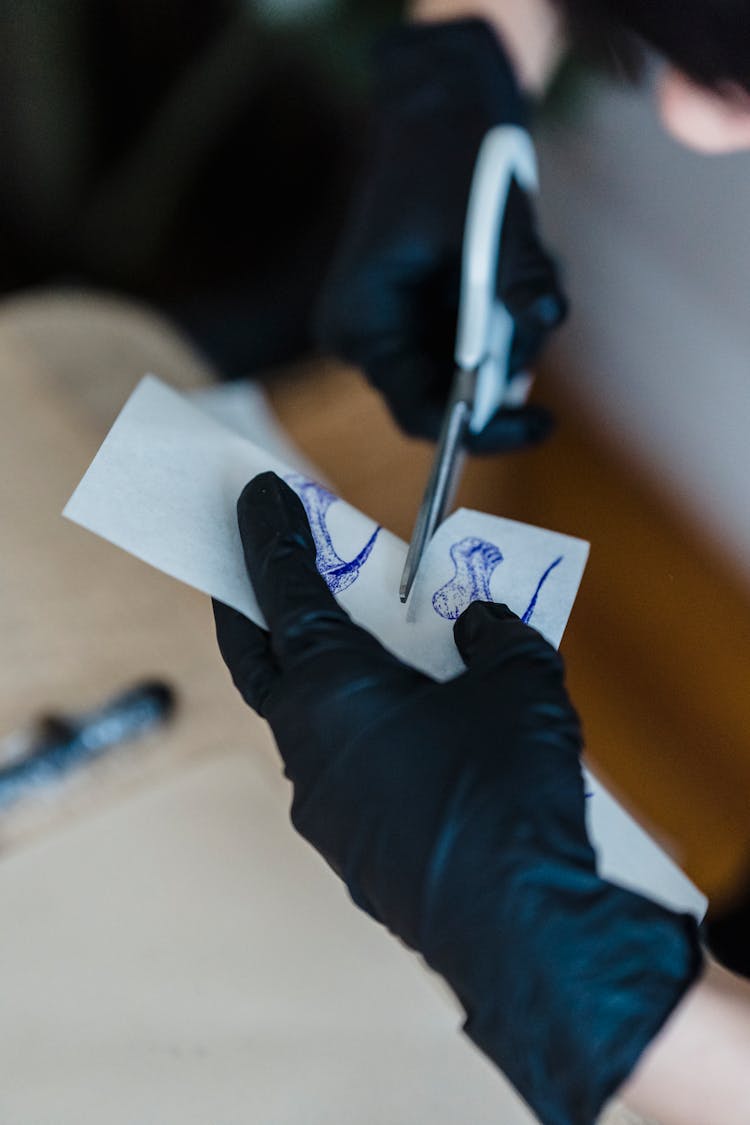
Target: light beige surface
<point x="185" y="958"/>
<point x="80" y="620"/>
<point x="171" y="952"/>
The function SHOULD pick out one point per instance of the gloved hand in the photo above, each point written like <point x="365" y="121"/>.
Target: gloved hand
<point x="390" y="305"/>
<point x="454" y="812"/>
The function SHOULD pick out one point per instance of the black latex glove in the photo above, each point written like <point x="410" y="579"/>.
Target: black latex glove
<point x="391" y="302"/>
<point x="454" y="812"/>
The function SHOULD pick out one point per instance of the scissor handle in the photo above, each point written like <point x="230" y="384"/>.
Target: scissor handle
<point x="485" y="327"/>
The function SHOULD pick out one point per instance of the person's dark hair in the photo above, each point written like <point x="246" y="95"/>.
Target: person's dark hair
<point x="707" y="39"/>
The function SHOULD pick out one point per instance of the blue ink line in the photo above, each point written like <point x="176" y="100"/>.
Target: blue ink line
<point x="338" y="573"/>
<point x="346" y="573"/>
<point x="532" y="604"/>
<point x="474" y="561"/>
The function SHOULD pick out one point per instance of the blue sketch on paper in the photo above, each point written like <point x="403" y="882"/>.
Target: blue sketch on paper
<point x="338" y="574"/>
<point x="475" y="561"/>
<point x="532" y="604"/>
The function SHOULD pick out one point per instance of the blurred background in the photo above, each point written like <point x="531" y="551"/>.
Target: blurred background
<point x="172" y="181"/>
<point x="194" y="154"/>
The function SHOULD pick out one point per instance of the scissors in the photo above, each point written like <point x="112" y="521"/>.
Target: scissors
<point x="481" y="383"/>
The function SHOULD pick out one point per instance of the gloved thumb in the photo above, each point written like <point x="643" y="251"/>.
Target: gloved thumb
<point x="280" y="556"/>
<point x="488" y="634"/>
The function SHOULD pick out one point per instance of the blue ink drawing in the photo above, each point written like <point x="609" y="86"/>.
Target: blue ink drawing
<point x="475" y="561"/>
<point x="338" y="573"/>
<point x="532" y="604"/>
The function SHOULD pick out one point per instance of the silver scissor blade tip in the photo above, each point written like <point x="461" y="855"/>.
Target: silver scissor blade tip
<point x="406" y="584"/>
<point x="439" y="489"/>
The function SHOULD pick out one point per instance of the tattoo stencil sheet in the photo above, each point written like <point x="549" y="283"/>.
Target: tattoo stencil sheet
<point x="474" y="560"/>
<point x="164" y="486"/>
<point x="317" y="500"/>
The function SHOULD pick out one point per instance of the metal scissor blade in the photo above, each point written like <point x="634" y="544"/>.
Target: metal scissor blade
<point x="444" y="475"/>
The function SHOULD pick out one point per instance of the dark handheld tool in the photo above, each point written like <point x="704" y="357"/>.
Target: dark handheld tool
<point x="55" y="745"/>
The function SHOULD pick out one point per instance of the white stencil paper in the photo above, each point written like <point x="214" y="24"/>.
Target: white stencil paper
<point x="164" y="486"/>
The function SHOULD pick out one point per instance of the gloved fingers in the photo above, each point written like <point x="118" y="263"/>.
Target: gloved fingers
<point x="366" y="305"/>
<point x="536" y="303"/>
<point x="246" y="651"/>
<point x="535" y="317"/>
<point x="414" y="393"/>
<point x="528" y="281"/>
<point x="346" y="313"/>
<point x="511" y="429"/>
<point x="280" y="555"/>
<point x="397" y="323"/>
<point x="488" y="634"/>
